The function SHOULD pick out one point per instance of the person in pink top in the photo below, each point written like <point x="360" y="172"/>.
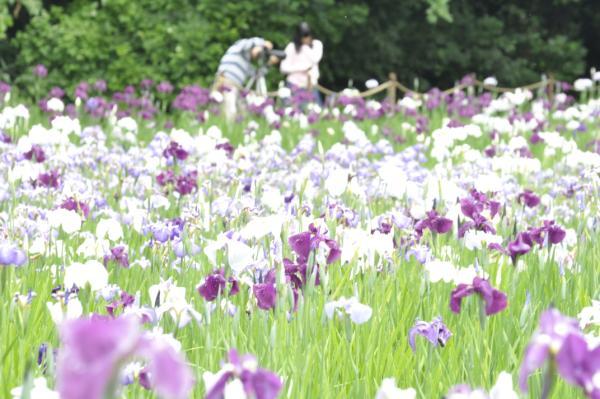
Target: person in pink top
<point x="301" y="64"/>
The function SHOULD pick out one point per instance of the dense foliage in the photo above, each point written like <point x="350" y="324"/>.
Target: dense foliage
<point x="182" y="40"/>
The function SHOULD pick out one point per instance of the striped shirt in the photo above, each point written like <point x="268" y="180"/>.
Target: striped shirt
<point x="236" y="64"/>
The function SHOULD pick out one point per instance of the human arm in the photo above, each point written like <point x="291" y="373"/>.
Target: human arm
<point x="316" y="53"/>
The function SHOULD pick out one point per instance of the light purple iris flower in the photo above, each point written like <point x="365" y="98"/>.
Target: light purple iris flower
<point x="436" y="332"/>
<point x="256" y="382"/>
<point x="11" y="255"/>
<point x="40" y="71"/>
<point x="495" y="301"/>
<point x="93" y="349"/>
<point x="559" y="339"/>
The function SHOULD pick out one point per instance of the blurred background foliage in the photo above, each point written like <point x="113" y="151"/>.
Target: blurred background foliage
<point x="436" y="41"/>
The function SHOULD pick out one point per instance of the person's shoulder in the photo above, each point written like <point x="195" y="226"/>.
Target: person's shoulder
<point x="317" y="43"/>
<point x="289" y="47"/>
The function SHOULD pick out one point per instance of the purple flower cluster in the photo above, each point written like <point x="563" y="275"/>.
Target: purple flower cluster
<point x="472" y="207"/>
<point x="183" y="184"/>
<point x="550" y="232"/>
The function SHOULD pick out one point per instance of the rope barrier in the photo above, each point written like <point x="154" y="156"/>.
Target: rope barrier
<point x="459" y="87"/>
<point x="392" y="84"/>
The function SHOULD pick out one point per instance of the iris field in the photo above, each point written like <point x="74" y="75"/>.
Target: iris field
<point x="442" y="246"/>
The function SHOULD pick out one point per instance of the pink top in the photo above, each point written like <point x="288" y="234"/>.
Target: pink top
<point x="302" y="67"/>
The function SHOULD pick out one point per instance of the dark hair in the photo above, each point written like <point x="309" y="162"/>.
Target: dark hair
<point x="302" y="30"/>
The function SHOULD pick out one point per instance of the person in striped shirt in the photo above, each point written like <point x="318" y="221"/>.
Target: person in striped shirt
<point x="236" y="67"/>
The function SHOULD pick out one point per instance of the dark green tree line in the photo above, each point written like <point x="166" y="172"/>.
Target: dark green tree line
<point x="437" y="41"/>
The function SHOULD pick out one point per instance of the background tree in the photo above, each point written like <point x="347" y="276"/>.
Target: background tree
<point x="182" y="41"/>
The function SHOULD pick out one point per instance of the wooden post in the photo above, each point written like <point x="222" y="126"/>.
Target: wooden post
<point x="391" y="91"/>
<point x="550" y="88"/>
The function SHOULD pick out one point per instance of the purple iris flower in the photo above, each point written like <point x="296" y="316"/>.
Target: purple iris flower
<point x="71" y="204"/>
<point x="477" y="203"/>
<point x="472" y="207"/>
<point x="160" y="233"/>
<point x="49" y="179"/>
<point x="421" y="253"/>
<point x="36" y="153"/>
<point x="257" y="382"/>
<point x="4" y="88"/>
<point x="187" y="183"/>
<point x="555" y="233"/>
<point x="100" y="85"/>
<point x="303" y="243"/>
<point x="227" y="147"/>
<point x="433" y="222"/>
<point x="296" y="274"/>
<point x="180" y="249"/>
<point x="164" y="178"/>
<point x="124" y="301"/>
<point x="529" y="198"/>
<point x="175" y="150"/>
<point x="117" y="254"/>
<point x="436" y="332"/>
<point x="215" y="285"/>
<point x="146" y="84"/>
<point x="164" y="87"/>
<point x="94" y="348"/>
<point x="11" y="255"/>
<point x="5" y="138"/>
<point x="266" y="292"/>
<point x="578" y="364"/>
<point x="57" y="92"/>
<point x="559" y="339"/>
<point x="495" y="301"/>
<point x="520" y="246"/>
<point x="40" y="71"/>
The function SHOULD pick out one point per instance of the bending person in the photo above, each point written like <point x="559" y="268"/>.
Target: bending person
<point x="236" y="67"/>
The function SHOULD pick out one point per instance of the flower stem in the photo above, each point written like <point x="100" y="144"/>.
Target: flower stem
<point x="482" y="315"/>
<point x="548" y="380"/>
